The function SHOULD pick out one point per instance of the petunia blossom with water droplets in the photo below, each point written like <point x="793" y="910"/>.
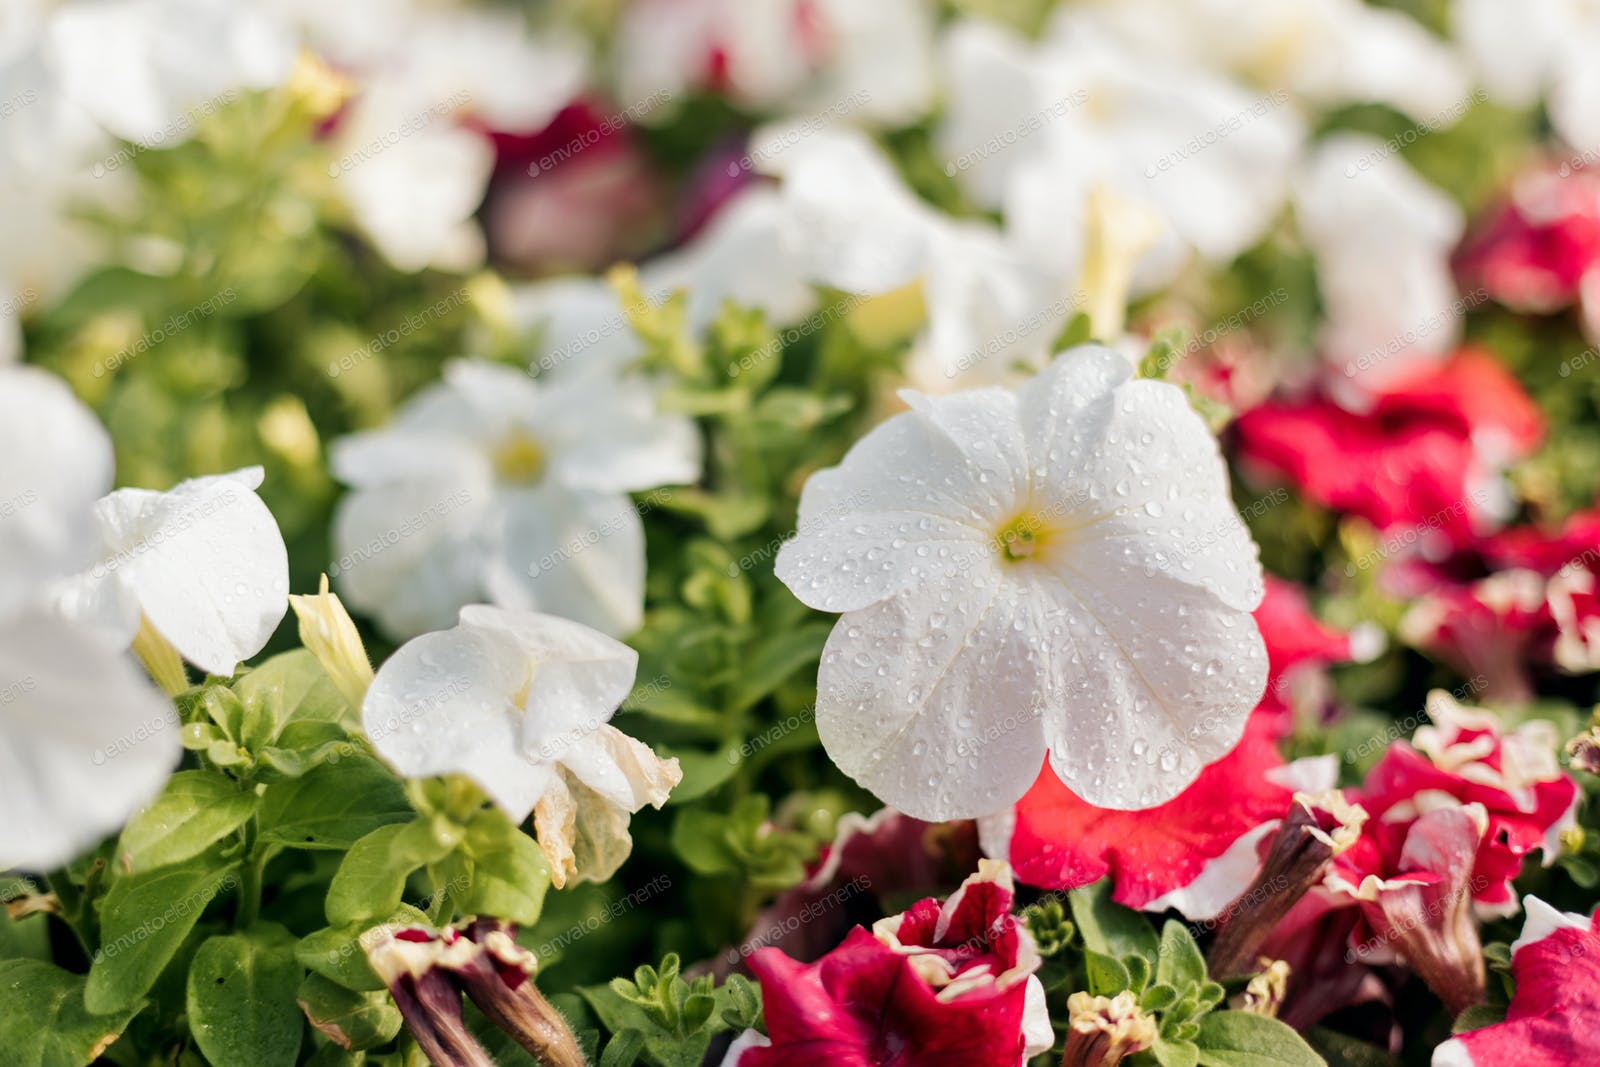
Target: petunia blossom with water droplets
<point x="1053" y="568"/>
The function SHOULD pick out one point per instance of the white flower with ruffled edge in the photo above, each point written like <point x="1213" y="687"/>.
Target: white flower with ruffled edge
<point x="203" y="564"/>
<point x="489" y="486"/>
<point x="85" y="739"/>
<point x="521" y="704"/>
<point x="1056" y="567"/>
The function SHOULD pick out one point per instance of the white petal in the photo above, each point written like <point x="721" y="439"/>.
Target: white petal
<point x="610" y="437"/>
<point x="1544" y="920"/>
<point x="442" y="704"/>
<point x="1037" y="1033"/>
<point x="918" y="497"/>
<point x="934" y="700"/>
<point x="1138" y="477"/>
<point x="624" y="771"/>
<point x="206" y="562"/>
<point x="579" y="676"/>
<point x="1157" y="679"/>
<point x="575" y="554"/>
<point x="57" y="463"/>
<point x="410" y="554"/>
<point x="84" y="741"/>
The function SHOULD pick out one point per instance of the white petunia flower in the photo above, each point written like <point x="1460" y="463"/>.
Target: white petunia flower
<point x="204" y="563"/>
<point x="1542" y="49"/>
<point x="1056" y="567"/>
<point x="521" y="704"/>
<point x="1382" y="238"/>
<point x="85" y="739"/>
<point x="489" y="485"/>
<point x="149" y="70"/>
<point x="1032" y="128"/>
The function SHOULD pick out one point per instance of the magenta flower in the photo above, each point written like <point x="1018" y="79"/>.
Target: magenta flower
<point x="1551" y="1021"/>
<point x="948" y="985"/>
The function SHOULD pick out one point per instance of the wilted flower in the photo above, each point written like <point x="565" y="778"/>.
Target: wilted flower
<point x="1055" y="568"/>
<point x="1103" y="1031"/>
<point x="519" y="703"/>
<point x="948" y="985"/>
<point x="491" y="486"/>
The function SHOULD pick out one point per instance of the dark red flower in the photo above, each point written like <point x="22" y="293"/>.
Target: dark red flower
<point x="948" y="985"/>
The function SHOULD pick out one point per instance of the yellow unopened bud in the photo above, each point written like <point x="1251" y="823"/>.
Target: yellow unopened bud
<point x="317" y="87"/>
<point x="329" y="634"/>
<point x="160" y="659"/>
<point x="1120" y="231"/>
<point x="490" y="297"/>
<point x="883" y="320"/>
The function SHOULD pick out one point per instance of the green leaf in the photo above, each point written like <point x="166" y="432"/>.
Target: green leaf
<point x="44" y="1022"/>
<point x="1158" y="998"/>
<point x="349" y="1019"/>
<point x="509" y="871"/>
<point x="241" y="999"/>
<point x="195" y="811"/>
<point x="1180" y="963"/>
<point x="775" y="660"/>
<point x="1244" y="1039"/>
<point x="293" y="687"/>
<point x="623" y="1049"/>
<point x="335" y="951"/>
<point x="334" y="805"/>
<point x="1109" y="927"/>
<point x="702" y="771"/>
<point x="143" y="921"/>
<point x="372" y="878"/>
<point x="1170" y="1053"/>
<point x="25" y="938"/>
<point x="1105" y="974"/>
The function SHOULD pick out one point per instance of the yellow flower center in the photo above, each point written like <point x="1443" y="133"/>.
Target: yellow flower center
<point x="519" y="459"/>
<point x="1024" y="537"/>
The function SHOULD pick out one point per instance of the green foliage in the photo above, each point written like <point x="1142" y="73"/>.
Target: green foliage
<point x="670" y="1019"/>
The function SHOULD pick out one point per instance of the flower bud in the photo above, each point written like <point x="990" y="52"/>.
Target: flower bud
<point x="328" y="633"/>
<point x="1102" y="1031"/>
<point x="499" y="979"/>
<point x="416" y="965"/>
<point x="1317" y="828"/>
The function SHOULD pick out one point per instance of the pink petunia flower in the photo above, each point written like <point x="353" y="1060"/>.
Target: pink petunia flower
<point x="1466" y="757"/>
<point x="940" y="985"/>
<point x="1556" y="965"/>
<point x="1534" y="250"/>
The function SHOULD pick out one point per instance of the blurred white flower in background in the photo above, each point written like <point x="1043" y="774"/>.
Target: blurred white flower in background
<point x="521" y="704"/>
<point x="1058" y="567"/>
<point x="1381" y="237"/>
<point x="203" y="563"/>
<point x="490" y="486"/>
<point x="85" y="739"/>
<point x="1539" y="50"/>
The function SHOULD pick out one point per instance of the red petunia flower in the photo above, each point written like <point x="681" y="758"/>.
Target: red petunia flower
<point x="1534" y="249"/>
<point x="1551" y="1021"/>
<point x="1419" y="464"/>
<point x="948" y="985"/>
<point x="1464" y="756"/>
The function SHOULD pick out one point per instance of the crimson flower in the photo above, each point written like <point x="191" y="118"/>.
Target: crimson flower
<point x="1551" y="1021"/>
<point x="940" y="985"/>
